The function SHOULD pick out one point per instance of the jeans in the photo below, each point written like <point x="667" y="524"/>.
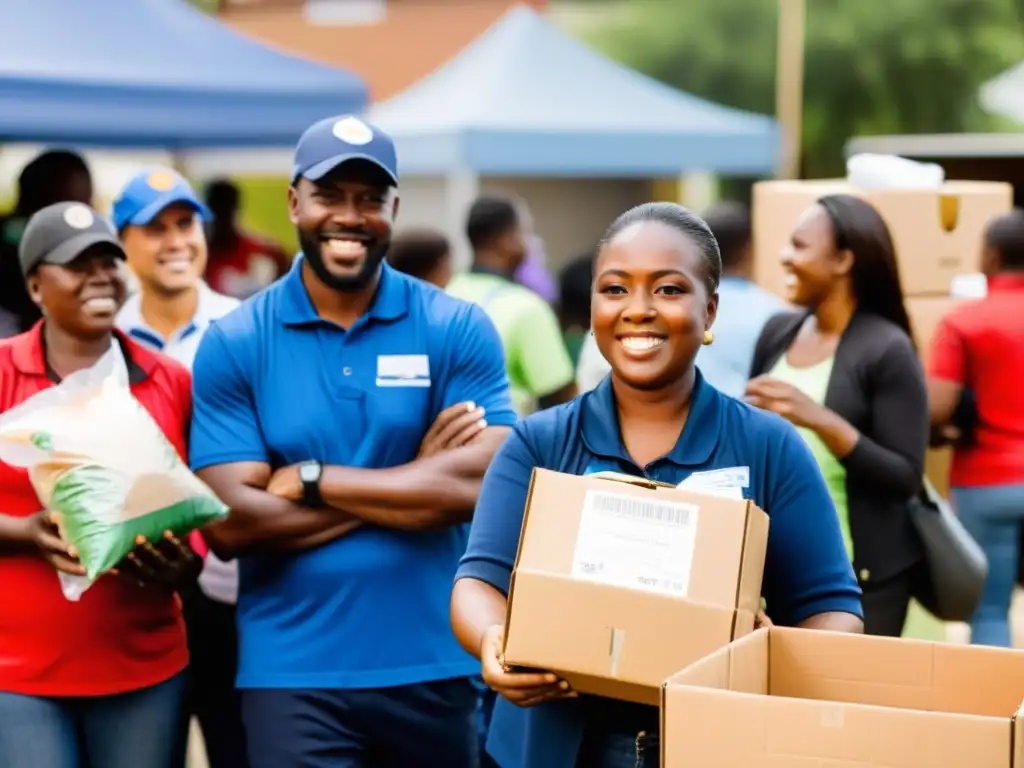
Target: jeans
<point x="424" y="725"/>
<point x="993" y="516"/>
<point x="485" y="708"/>
<point x="127" y="730"/>
<point x="618" y="749"/>
<point x="210" y="693"/>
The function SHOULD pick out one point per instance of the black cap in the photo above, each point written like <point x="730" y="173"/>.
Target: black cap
<point x="60" y="233"/>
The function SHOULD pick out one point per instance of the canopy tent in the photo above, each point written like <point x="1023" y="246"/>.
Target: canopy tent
<point x="154" y="73"/>
<point x="524" y="99"/>
<point x="1003" y="95"/>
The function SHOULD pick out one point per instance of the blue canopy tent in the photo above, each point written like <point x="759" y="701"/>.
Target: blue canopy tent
<point x="524" y="99"/>
<point x="154" y="73"/>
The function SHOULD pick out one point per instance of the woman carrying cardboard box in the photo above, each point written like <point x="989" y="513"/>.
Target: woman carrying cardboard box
<point x="843" y="370"/>
<point x="655" y="299"/>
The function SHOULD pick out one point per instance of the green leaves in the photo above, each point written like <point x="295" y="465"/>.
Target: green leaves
<point x="898" y="66"/>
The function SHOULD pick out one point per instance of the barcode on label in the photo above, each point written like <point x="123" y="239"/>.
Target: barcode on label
<point x="668" y="513"/>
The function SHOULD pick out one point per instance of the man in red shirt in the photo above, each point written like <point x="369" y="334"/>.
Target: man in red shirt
<point x="979" y="347"/>
<point x="240" y="264"/>
<point x="97" y="681"/>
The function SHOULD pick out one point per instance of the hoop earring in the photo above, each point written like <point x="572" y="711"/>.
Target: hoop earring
<point x="709" y="338"/>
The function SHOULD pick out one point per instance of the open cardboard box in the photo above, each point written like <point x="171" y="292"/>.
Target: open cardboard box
<point x="938" y="234"/>
<point x="621" y="581"/>
<point x="797" y="698"/>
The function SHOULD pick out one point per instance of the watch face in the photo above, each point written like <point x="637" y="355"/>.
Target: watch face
<point x="309" y="472"/>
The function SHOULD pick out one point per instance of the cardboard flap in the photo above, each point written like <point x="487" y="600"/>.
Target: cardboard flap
<point x="641" y="482"/>
<point x="755" y="550"/>
<point x="617" y="633"/>
<point x="741" y="666"/>
<point x="1017" y="739"/>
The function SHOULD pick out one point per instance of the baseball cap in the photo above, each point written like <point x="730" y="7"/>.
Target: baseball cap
<point x="60" y="233"/>
<point x="335" y="140"/>
<point x="149" y="192"/>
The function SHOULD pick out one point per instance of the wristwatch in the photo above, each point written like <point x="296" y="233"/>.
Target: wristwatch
<point x="309" y="474"/>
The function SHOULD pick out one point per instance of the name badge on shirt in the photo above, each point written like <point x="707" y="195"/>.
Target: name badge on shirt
<point x="729" y="482"/>
<point x="403" y="371"/>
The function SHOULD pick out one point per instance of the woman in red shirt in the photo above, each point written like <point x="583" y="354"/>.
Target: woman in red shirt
<point x="979" y="347"/>
<point x="98" y="681"/>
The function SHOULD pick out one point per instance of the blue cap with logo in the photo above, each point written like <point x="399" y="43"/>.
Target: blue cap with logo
<point x="335" y="140"/>
<point x="149" y="192"/>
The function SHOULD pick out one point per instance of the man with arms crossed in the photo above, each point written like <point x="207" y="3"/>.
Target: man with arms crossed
<point x="314" y="407"/>
<point x="160" y="223"/>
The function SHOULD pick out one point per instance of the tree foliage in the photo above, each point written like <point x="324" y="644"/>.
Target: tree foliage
<point x="871" y="66"/>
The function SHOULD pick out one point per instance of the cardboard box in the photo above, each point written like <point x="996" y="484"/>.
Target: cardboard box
<point x="797" y="698"/>
<point x="620" y="582"/>
<point x="938" y="235"/>
<point x="925" y="313"/>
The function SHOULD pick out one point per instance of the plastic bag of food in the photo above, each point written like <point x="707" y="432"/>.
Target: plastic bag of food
<point x="99" y="462"/>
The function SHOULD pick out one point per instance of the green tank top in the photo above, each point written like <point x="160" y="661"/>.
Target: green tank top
<point x="813" y="382"/>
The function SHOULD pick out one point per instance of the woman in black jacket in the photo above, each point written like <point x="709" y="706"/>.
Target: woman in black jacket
<point x="844" y="371"/>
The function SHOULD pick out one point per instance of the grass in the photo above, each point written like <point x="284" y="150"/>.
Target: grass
<point x="265" y="209"/>
<point x="921" y="625"/>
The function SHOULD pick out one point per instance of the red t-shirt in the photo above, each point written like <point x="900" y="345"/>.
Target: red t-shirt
<point x="980" y="345"/>
<point x="119" y="637"/>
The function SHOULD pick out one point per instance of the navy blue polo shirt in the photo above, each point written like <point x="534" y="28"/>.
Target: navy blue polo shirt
<point x="807" y="570"/>
<point x="275" y="383"/>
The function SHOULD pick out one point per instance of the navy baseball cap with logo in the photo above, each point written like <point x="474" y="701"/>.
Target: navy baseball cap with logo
<point x="335" y="140"/>
<point x="60" y="233"/>
<point x="150" y="192"/>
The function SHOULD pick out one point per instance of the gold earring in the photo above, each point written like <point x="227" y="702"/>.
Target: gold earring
<point x="709" y="338"/>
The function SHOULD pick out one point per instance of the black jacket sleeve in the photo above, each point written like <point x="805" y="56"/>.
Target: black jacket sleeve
<point x="892" y="457"/>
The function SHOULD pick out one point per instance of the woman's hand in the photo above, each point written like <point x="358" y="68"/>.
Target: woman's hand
<point x="524" y="689"/>
<point x="784" y="399"/>
<point x="43" y="533"/>
<point x="170" y="563"/>
<point x="761" y="621"/>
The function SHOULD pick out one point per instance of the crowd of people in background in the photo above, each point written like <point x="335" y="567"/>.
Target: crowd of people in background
<point x="372" y="416"/>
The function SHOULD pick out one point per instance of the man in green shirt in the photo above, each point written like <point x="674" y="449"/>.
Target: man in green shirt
<point x="540" y="371"/>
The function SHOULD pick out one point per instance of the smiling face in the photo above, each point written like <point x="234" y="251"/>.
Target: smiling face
<point x="344" y="223"/>
<point x="168" y="255"/>
<point x="813" y="266"/>
<point x="82" y="297"/>
<point x="651" y="305"/>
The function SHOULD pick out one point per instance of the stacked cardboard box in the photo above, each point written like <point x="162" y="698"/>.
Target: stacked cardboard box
<point x="938" y="236"/>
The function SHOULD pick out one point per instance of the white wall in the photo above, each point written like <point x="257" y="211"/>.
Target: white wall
<point x="110" y="169"/>
<point x="570" y="214"/>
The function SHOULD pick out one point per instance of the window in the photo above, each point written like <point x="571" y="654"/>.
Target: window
<point x="345" y="12"/>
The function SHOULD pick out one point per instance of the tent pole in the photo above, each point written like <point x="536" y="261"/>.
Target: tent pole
<point x="789" y="84"/>
<point x="179" y="162"/>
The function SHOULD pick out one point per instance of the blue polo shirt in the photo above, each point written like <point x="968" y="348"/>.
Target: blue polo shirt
<point x="806" y="570"/>
<point x="275" y="383"/>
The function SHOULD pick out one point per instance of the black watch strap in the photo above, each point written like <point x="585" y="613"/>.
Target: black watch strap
<point x="311" y="496"/>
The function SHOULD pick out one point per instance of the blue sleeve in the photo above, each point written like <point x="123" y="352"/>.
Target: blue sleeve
<point x="807" y="570"/>
<point x="494" y="535"/>
<point x="476" y="365"/>
<point x="225" y="427"/>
